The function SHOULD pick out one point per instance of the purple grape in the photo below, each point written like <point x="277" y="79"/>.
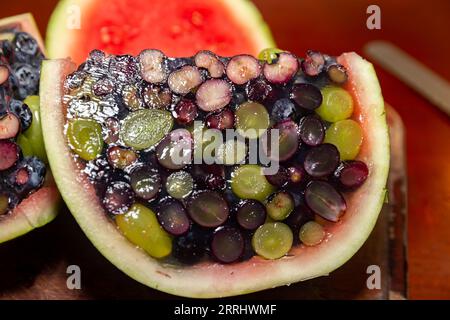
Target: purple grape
<point x="9" y="154"/>
<point x="283" y="70"/>
<point x="322" y="160"/>
<point x="173" y="218"/>
<point x="259" y="90"/>
<point x="227" y="245"/>
<point x="313" y="63"/>
<point x="288" y="141"/>
<point x="214" y="182"/>
<point x="224" y="119"/>
<point x="185" y="111"/>
<point x="146" y="182"/>
<point x="311" y="130"/>
<point x="208" y="60"/>
<point x="278" y="179"/>
<point x="243" y="68"/>
<point x="209" y="176"/>
<point x="299" y="217"/>
<point x="118" y="197"/>
<point x="251" y="214"/>
<point x="208" y="209"/>
<point x="337" y="73"/>
<point x="175" y="150"/>
<point x="306" y="95"/>
<point x="103" y="87"/>
<point x="351" y="174"/>
<point x="213" y="95"/>
<point x="322" y="198"/>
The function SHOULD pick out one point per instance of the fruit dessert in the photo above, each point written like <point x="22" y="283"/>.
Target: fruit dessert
<point x="141" y="153"/>
<point x="179" y="28"/>
<point x="28" y="196"/>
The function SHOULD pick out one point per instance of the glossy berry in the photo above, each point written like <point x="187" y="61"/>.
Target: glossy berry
<point x="227" y="245"/>
<point x="311" y="130"/>
<point x="185" y="111"/>
<point x="351" y="174"/>
<point x="259" y="90"/>
<point x="25" y="79"/>
<point x="28" y="175"/>
<point x="322" y="160"/>
<point x="25" y="47"/>
<point x="118" y="198"/>
<point x="307" y="96"/>
<point x="224" y="119"/>
<point x="313" y="63"/>
<point x="23" y="112"/>
<point x="283" y="109"/>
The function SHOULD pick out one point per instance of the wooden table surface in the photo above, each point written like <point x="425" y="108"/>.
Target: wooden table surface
<point x="423" y="30"/>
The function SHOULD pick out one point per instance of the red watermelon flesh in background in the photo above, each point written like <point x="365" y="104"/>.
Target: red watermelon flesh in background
<point x="179" y="28"/>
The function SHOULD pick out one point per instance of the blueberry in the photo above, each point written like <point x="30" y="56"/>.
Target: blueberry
<point x="25" y="80"/>
<point x="284" y="109"/>
<point x="25" y="47"/>
<point x="27" y="176"/>
<point x="6" y="49"/>
<point x="23" y="112"/>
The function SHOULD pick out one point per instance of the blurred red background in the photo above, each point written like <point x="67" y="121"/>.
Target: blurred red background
<point x="423" y="30"/>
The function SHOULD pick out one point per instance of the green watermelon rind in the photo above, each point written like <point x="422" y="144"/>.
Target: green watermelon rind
<point x="210" y="280"/>
<point x="58" y="40"/>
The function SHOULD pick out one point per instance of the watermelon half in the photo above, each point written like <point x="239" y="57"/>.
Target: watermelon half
<point x="179" y="28"/>
<point x="210" y="279"/>
<point x="42" y="206"/>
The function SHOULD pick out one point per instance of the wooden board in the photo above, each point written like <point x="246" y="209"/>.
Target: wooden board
<point x="34" y="266"/>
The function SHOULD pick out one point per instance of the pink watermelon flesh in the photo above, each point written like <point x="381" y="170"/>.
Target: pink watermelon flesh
<point x="179" y="28"/>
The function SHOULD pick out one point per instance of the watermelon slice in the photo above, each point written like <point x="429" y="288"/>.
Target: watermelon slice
<point x="179" y="28"/>
<point x="115" y="226"/>
<point x="26" y="210"/>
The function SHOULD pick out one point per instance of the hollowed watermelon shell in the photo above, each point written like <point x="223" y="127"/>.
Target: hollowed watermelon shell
<point x="179" y="28"/>
<point x="211" y="279"/>
<point x="42" y="206"/>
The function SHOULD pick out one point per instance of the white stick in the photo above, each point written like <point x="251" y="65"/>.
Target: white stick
<point x="412" y="72"/>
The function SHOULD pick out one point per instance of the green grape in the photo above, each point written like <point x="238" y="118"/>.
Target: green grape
<point x="280" y="206"/>
<point x="252" y="119"/>
<point x="272" y="240"/>
<point x="179" y="184"/>
<point x="25" y="146"/>
<point x="337" y="104"/>
<point x="34" y="132"/>
<point x="4" y="204"/>
<point x="249" y="182"/>
<point x="141" y="227"/>
<point x="269" y="54"/>
<point x="143" y="129"/>
<point x="347" y="136"/>
<point x="85" y="138"/>
<point x="231" y="152"/>
<point x="311" y="233"/>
